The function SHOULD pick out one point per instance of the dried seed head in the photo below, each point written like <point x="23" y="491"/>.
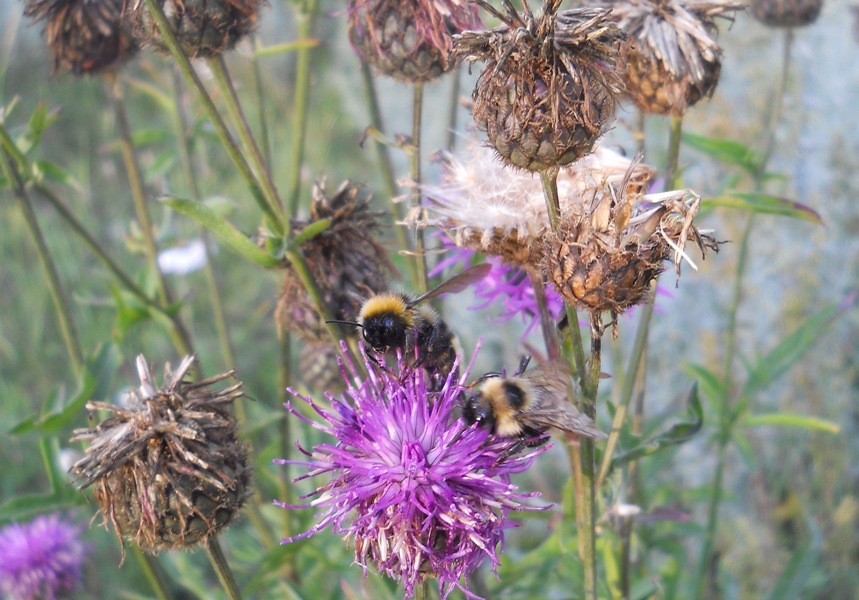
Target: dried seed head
<point x="203" y="27"/>
<point x="786" y="13"/>
<point x="549" y="85"/>
<point x="408" y="40"/>
<point x="605" y="255"/>
<point x="345" y="260"/>
<point x="84" y="36"/>
<point x="675" y="61"/>
<point x="497" y="210"/>
<point x="169" y="471"/>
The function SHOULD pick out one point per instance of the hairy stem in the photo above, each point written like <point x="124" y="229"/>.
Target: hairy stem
<point x="547" y="322"/>
<point x="415" y="172"/>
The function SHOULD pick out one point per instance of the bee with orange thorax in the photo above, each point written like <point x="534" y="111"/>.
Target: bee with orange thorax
<point x="392" y="321"/>
<point x="528" y="404"/>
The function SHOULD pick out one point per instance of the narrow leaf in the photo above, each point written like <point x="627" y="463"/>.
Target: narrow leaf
<point x="677" y="434"/>
<point x="791" y="349"/>
<point x="725" y="151"/>
<point x="765" y="204"/>
<point x="25" y="507"/>
<point x="711" y="385"/>
<point x="223" y="229"/>
<point x="285" y="48"/>
<point x="792" y="420"/>
<point x="44" y="170"/>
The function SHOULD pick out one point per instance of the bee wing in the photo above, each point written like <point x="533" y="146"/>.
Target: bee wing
<point x="552" y="407"/>
<point x="457" y="283"/>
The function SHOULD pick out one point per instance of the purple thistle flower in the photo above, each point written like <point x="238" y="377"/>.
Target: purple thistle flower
<point x="40" y="559"/>
<point x="420" y="493"/>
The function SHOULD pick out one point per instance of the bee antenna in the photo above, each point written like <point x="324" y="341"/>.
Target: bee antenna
<point x="353" y="323"/>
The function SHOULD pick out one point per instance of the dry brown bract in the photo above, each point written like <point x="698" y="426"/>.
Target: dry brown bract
<point x="345" y="260"/>
<point x="786" y="13"/>
<point x="84" y="36"/>
<point x="409" y="40"/>
<point x="606" y="254"/>
<point x="169" y="471"/>
<point x="675" y="61"/>
<point x="549" y="85"/>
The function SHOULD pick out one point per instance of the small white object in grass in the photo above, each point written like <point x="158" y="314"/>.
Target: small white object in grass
<point x="184" y="259"/>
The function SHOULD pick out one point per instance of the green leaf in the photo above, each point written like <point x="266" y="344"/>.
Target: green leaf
<point x="40" y="120"/>
<point x="725" y="151"/>
<point x="94" y="382"/>
<point x="311" y="231"/>
<point x="154" y="92"/>
<point x="765" y="204"/>
<point x="677" y="434"/>
<point x="25" y="507"/>
<point x="711" y="385"/>
<point x="223" y="229"/>
<point x="791" y="420"/>
<point x="148" y="137"/>
<point x="777" y="361"/>
<point x="284" y="48"/>
<point x="129" y="312"/>
<point x="44" y="170"/>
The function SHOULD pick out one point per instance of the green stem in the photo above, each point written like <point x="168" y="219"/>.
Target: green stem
<point x="639" y="349"/>
<point x="55" y="288"/>
<point x="212" y="113"/>
<point x="263" y="122"/>
<point x="673" y="152"/>
<point x="547" y="323"/>
<point x="415" y="172"/>
<point x="386" y="165"/>
<point x="306" y="18"/>
<point x="727" y="418"/>
<point x="222" y="569"/>
<point x="135" y="182"/>
<point x="453" y="108"/>
<point x="152" y="573"/>
<point x="178" y="333"/>
<point x="234" y="109"/>
<point x="589" y="380"/>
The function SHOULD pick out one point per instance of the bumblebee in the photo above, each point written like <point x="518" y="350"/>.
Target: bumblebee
<point x="528" y="404"/>
<point x="393" y="320"/>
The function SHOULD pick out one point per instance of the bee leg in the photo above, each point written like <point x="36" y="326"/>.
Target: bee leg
<point x="529" y="438"/>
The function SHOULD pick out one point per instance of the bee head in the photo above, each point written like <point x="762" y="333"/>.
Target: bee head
<point x="476" y="410"/>
<point x="385" y="320"/>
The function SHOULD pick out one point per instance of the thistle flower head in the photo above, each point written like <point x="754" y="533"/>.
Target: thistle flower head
<point x="418" y="492"/>
<point x="42" y="559"/>
<point x="548" y="87"/>
<point x="409" y="40"/>
<point x="346" y="261"/>
<point x="202" y="27"/>
<point x="84" y="36"/>
<point x="500" y="211"/>
<point x="786" y="13"/>
<point x="605" y="255"/>
<point x="675" y="61"/>
<point x="169" y="471"/>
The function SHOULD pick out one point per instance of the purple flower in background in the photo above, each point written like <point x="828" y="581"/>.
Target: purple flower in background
<point x="40" y="559"/>
<point x="505" y="283"/>
<point x="418" y="492"/>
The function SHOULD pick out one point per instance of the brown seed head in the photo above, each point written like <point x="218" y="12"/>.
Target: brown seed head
<point x="548" y="88"/>
<point x="786" y="13"/>
<point x="409" y="40"/>
<point x="606" y="254"/>
<point x="84" y="36"/>
<point x="203" y="27"/>
<point x="169" y="471"/>
<point x="346" y="261"/>
<point x="675" y="61"/>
